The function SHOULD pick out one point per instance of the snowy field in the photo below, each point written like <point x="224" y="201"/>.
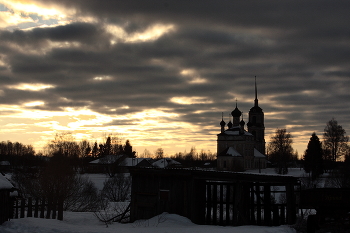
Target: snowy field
<point x="86" y="222"/>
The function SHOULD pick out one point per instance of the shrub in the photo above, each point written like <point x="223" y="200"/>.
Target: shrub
<point x="117" y="188"/>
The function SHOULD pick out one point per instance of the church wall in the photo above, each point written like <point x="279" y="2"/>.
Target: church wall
<point x="229" y="163"/>
<point x="242" y="144"/>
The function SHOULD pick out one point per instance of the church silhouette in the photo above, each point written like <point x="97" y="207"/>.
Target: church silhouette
<point x="239" y="149"/>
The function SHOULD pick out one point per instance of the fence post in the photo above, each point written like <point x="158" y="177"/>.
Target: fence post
<point x="252" y="205"/>
<point x="42" y="209"/>
<point x="49" y="206"/>
<point x="30" y="208"/>
<point x="258" y="204"/>
<point x="16" y="213"/>
<point x="23" y="206"/>
<point x="228" y="204"/>
<point x="36" y="208"/>
<point x="60" y="210"/>
<point x="54" y="208"/>
<point x="267" y="205"/>
<point x="291" y="205"/>
<point x="215" y="203"/>
<point x="221" y="213"/>
<point x="209" y="204"/>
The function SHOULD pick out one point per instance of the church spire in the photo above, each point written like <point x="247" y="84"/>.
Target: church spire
<point x="256" y="95"/>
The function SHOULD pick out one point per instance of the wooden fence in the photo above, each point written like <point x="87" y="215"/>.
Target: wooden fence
<point x="235" y="204"/>
<point x="37" y="208"/>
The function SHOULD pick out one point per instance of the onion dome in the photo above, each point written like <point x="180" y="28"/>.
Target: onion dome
<point x="236" y="112"/>
<point x="222" y="123"/>
<point x="242" y="122"/>
<point x="230" y="125"/>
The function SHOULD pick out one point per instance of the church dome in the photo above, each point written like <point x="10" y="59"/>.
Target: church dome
<point x="242" y="122"/>
<point x="236" y="112"/>
<point x="222" y="123"/>
<point x="230" y="125"/>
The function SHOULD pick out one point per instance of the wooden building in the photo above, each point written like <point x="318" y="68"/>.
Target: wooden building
<point x="5" y="203"/>
<point x="214" y="197"/>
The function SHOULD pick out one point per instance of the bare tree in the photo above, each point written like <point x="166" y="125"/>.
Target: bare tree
<point x="65" y="144"/>
<point x="281" y="151"/>
<point x="117" y="188"/>
<point x="59" y="182"/>
<point x="85" y="148"/>
<point x="146" y="154"/>
<point x="159" y="153"/>
<point x="335" y="139"/>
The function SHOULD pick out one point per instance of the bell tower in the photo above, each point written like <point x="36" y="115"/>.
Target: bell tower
<point x="256" y="124"/>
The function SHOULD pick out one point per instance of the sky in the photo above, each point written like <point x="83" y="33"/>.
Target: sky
<point x="161" y="73"/>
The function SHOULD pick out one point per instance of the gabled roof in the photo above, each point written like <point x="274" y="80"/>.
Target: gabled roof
<point x="165" y="162"/>
<point x="257" y="154"/>
<point x="108" y="159"/>
<point x="230" y="151"/>
<point x="129" y="162"/>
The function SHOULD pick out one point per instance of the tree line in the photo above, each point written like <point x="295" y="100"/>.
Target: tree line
<point x="319" y="156"/>
<point x="66" y="144"/>
<point x="17" y="153"/>
<point x="80" y="153"/>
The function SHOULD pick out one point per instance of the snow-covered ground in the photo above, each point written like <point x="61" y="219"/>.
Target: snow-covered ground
<point x="87" y="223"/>
<point x="78" y="222"/>
<point x="296" y="172"/>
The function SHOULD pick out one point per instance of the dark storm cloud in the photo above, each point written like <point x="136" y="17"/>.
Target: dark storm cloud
<point x="300" y="51"/>
<point x="82" y="32"/>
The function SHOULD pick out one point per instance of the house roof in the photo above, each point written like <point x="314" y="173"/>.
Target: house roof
<point x="129" y="162"/>
<point x="108" y="159"/>
<point x="5" y="183"/>
<point x="165" y="162"/>
<point x="230" y="151"/>
<point x="236" y="131"/>
<point x="257" y="154"/>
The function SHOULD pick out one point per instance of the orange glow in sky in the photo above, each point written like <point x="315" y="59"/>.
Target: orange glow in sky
<point x="162" y="75"/>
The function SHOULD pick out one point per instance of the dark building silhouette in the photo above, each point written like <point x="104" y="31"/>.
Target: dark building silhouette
<point x="240" y="149"/>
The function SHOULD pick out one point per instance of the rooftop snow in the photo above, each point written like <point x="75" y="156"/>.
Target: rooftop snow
<point x="231" y="151"/>
<point x="5" y="183"/>
<point x="236" y="131"/>
<point x="257" y="154"/>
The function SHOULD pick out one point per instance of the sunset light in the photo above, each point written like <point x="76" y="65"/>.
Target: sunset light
<point x="165" y="75"/>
